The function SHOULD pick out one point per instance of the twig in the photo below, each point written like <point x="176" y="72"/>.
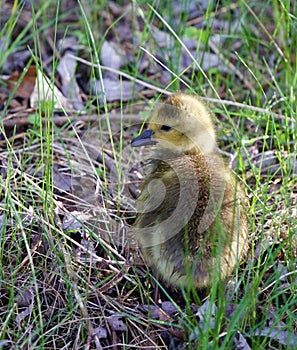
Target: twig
<point x="60" y="121"/>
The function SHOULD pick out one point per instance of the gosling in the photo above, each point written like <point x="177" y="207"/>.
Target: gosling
<point x="191" y="223"/>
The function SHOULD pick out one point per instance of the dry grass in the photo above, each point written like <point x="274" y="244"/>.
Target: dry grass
<point x="72" y="276"/>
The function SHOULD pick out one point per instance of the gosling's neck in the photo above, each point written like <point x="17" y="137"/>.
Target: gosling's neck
<point x="168" y="151"/>
<point x="203" y="143"/>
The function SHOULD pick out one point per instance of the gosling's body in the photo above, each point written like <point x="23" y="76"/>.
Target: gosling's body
<point x="193" y="229"/>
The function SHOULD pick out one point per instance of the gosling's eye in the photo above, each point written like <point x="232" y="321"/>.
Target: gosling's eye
<point x="165" y="127"/>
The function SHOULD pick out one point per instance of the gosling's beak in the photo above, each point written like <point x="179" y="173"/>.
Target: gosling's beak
<point x="144" y="139"/>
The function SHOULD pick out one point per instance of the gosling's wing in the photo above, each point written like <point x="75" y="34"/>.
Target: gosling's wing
<point x="158" y="196"/>
<point x="172" y="191"/>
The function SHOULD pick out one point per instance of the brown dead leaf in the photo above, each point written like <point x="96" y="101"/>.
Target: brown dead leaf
<point x="26" y="86"/>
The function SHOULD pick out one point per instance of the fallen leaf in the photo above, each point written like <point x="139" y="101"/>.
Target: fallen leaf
<point x="115" y="90"/>
<point x="100" y="332"/>
<point x="45" y="90"/>
<point x="240" y="342"/>
<point x="26" y="86"/>
<point x="110" y="56"/>
<point x="285" y="338"/>
<point x="70" y="89"/>
<point x="116" y="323"/>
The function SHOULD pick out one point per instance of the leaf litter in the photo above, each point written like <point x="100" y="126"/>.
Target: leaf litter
<point x="84" y="240"/>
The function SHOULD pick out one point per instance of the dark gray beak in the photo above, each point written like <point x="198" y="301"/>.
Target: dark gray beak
<point x="144" y="139"/>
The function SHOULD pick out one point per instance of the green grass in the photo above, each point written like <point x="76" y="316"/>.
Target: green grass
<point x="63" y="285"/>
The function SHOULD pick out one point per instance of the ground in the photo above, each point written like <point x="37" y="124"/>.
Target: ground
<point x="78" y="80"/>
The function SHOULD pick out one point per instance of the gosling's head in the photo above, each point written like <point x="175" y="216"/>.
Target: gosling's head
<point x="180" y="124"/>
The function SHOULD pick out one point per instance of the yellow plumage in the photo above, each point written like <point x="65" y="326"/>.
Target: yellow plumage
<point x="191" y="224"/>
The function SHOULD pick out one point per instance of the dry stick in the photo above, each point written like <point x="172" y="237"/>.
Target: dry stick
<point x="274" y="282"/>
<point x="208" y="99"/>
<point x="60" y="121"/>
<point x="125" y="75"/>
<point x="23" y="121"/>
<point x="222" y="102"/>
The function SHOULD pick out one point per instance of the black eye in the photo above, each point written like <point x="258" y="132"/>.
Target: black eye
<point x="165" y="127"/>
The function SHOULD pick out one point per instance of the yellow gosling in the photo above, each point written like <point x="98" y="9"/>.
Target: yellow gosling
<point x="191" y="224"/>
